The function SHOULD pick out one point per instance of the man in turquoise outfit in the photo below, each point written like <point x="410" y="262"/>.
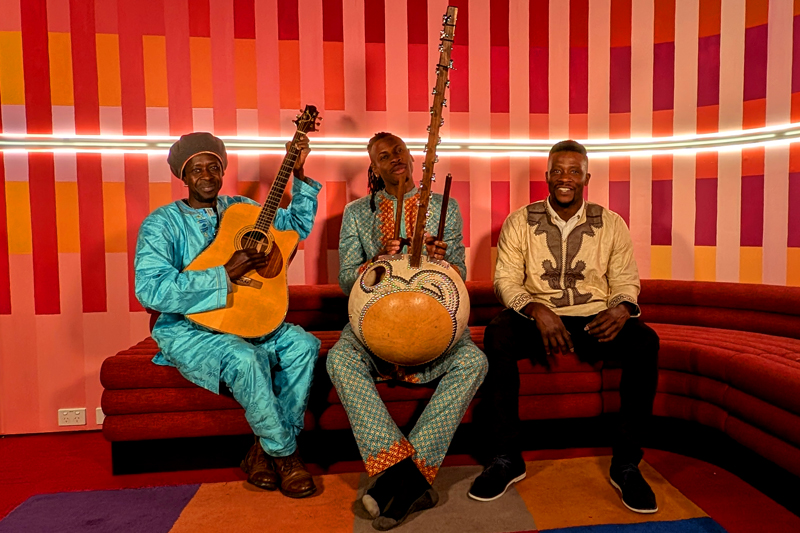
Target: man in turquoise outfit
<point x="270" y="376"/>
<point x="409" y="463"/>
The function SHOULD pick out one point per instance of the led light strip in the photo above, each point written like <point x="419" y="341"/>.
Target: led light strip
<point x="350" y="146"/>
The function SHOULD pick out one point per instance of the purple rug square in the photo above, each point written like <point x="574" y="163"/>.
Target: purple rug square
<point x="152" y="510"/>
<point x="691" y="525"/>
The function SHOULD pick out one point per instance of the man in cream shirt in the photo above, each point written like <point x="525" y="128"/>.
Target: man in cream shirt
<point x="567" y="276"/>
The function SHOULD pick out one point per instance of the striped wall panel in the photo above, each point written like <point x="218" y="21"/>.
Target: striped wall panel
<point x="605" y="69"/>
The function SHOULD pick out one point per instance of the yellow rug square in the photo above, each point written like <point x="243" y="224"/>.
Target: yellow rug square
<point x="239" y="506"/>
<point x="577" y="492"/>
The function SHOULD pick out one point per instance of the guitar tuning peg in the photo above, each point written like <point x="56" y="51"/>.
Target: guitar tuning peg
<point x="447" y="85"/>
<point x="439" y="141"/>
<point x="436" y="159"/>
<point x="433" y="176"/>
<point x="451" y="64"/>
<point x="429" y="129"/>
<point x="444" y="102"/>
<point x="441" y="123"/>
<point x="433" y="91"/>
<point x="441" y="48"/>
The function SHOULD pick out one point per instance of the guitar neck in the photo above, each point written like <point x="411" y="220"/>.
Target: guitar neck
<point x="439" y="101"/>
<point x="271" y="204"/>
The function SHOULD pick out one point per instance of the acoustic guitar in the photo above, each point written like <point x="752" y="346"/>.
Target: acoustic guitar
<point x="260" y="299"/>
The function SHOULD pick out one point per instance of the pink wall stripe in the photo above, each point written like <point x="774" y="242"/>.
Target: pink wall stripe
<point x="500" y="207"/>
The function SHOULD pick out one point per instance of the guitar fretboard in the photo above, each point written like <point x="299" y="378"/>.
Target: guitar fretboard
<point x="271" y="204"/>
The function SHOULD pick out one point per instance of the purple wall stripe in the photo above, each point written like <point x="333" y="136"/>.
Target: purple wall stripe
<point x="620" y="80"/>
<point x="661" y="225"/>
<point x="663" y="76"/>
<point x="619" y="199"/>
<point x="705" y="222"/>
<point x="752" y="225"/>
<point x="708" y="70"/>
<point x="794" y="208"/>
<point x="755" y="62"/>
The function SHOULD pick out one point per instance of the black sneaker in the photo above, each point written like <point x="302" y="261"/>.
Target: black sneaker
<point x="636" y="493"/>
<point x="502" y="472"/>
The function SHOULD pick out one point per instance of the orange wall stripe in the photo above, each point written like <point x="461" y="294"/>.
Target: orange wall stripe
<point x="114" y="218"/>
<point x="202" y="92"/>
<point x="67" y="217"/>
<point x="18" y="218"/>
<point x="246" y="74"/>
<point x="12" y="80"/>
<point x="108" y="74"/>
<point x="60" y="48"/>
<point x="154" y="48"/>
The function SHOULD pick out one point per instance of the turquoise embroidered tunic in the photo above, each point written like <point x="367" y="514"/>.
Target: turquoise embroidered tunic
<point x="170" y="238"/>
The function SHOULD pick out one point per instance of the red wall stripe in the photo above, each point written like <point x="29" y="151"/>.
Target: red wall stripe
<point x="375" y="52"/>
<point x="332" y="21"/>
<point x="661" y="224"/>
<point x="199" y="18"/>
<point x="244" y="19"/>
<point x="458" y="101"/>
<point x="41" y="171"/>
<point x="705" y="222"/>
<point x="418" y="67"/>
<point x="89" y="166"/>
<point x="539" y="58"/>
<point x="538" y="190"/>
<point x="708" y="70"/>
<point x="499" y="60"/>
<point x="288" y="21"/>
<point x="105" y="16"/>
<point x="579" y="56"/>
<point x="794" y="210"/>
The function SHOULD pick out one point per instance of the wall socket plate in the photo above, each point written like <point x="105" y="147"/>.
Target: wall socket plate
<point x="72" y="417"/>
<point x="99" y="416"/>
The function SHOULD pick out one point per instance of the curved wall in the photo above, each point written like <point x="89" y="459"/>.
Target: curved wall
<point x="525" y="69"/>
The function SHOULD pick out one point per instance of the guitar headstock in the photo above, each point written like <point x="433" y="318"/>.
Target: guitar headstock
<point x="308" y="120"/>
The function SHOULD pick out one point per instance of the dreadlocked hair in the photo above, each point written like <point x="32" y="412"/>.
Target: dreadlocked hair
<point x="374" y="181"/>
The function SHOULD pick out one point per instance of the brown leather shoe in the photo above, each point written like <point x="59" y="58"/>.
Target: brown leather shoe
<point x="258" y="465"/>
<point x="296" y="482"/>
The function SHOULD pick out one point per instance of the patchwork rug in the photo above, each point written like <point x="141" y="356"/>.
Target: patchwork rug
<point x="565" y="496"/>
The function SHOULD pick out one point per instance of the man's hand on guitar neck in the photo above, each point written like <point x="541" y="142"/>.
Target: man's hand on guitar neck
<point x="244" y="261"/>
<point x="304" y="149"/>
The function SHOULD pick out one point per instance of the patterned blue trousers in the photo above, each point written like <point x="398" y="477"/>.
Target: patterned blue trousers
<point x="381" y="443"/>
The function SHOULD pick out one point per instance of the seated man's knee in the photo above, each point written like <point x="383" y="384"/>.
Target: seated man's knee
<point x="496" y="334"/>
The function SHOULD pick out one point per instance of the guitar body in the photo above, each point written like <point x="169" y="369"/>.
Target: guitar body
<point x="259" y="301"/>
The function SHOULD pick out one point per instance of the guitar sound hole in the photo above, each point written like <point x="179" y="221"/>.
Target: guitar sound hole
<point x="257" y="240"/>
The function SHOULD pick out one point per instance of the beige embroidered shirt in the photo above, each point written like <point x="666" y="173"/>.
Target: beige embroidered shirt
<point x="591" y="270"/>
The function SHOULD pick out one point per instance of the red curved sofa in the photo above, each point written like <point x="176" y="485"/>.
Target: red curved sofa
<point x="730" y="359"/>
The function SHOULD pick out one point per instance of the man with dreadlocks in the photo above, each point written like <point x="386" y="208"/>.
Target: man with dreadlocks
<point x="409" y="463"/>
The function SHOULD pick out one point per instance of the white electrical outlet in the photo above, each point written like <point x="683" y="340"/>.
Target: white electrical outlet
<point x="72" y="417"/>
<point x="99" y="416"/>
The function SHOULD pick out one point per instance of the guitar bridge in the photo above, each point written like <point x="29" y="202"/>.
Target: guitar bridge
<point x="248" y="282"/>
